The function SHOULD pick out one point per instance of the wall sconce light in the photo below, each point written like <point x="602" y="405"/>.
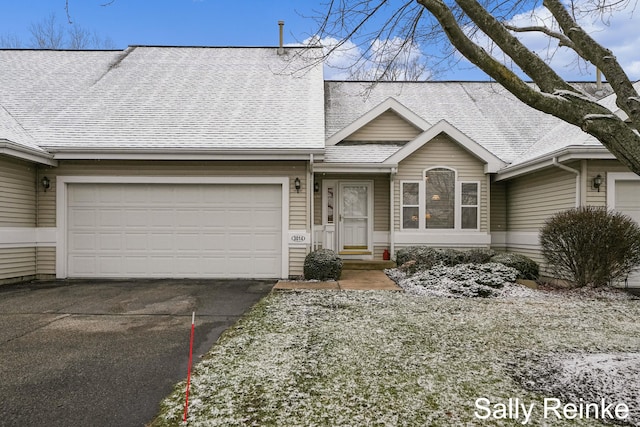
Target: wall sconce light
<point x="46" y="184"/>
<point x="297" y="184"/>
<point x="597" y="182"/>
<point x="316" y="187"/>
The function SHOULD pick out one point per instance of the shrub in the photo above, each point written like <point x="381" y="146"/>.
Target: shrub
<point x="527" y="268"/>
<point x="464" y="280"/>
<point x="591" y="246"/>
<point x="478" y="256"/>
<point x="426" y="257"/>
<point x="323" y="264"/>
<point x="418" y="258"/>
<point x="420" y="254"/>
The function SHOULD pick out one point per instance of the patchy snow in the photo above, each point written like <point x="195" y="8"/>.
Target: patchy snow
<point x="612" y="378"/>
<point x="391" y="358"/>
<point x="463" y="280"/>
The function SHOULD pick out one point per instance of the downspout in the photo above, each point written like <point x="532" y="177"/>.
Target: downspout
<point x="568" y="169"/>
<point x="310" y="190"/>
<point x="392" y="220"/>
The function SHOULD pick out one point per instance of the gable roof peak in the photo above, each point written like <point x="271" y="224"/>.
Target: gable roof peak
<point x="492" y="163"/>
<point x="389" y="104"/>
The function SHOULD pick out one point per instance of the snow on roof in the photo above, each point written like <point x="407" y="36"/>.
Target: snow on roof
<point x="185" y="98"/>
<point x="36" y="84"/>
<point x="563" y="135"/>
<point x="360" y="153"/>
<point x="485" y="112"/>
<point x="12" y="132"/>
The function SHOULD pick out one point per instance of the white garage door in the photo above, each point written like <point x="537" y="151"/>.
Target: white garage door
<point x="177" y="231"/>
<point x="627" y="199"/>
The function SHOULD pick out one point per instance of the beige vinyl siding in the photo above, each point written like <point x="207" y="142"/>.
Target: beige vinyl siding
<point x="533" y="198"/>
<point x="600" y="167"/>
<point x="296" y="261"/>
<point x="46" y="260"/>
<point x="298" y="218"/>
<point x="388" y="126"/>
<point x="17" y="193"/>
<point x="18" y="201"/>
<point x="442" y="152"/>
<point x="17" y="263"/>
<point x="498" y="207"/>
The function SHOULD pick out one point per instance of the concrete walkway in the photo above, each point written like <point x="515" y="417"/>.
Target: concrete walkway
<point x="361" y="280"/>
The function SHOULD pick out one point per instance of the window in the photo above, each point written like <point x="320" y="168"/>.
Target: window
<point x="410" y="205"/>
<point x="330" y="205"/>
<point x="440" y="202"/>
<point x="469" y="205"/>
<point x="440" y="198"/>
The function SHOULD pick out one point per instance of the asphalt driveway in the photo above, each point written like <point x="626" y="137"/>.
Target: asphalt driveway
<point x="104" y="353"/>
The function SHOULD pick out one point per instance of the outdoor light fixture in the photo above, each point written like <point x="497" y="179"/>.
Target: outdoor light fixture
<point x="597" y="182"/>
<point x="297" y="184"/>
<point x="46" y="184"/>
<point x="316" y="187"/>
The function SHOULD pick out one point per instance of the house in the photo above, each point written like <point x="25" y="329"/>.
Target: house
<point x="195" y="162"/>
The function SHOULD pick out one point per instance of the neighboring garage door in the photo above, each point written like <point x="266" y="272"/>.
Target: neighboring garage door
<point x="627" y="201"/>
<point x="174" y="230"/>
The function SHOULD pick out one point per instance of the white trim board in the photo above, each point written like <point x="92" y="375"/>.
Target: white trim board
<point x="443" y="238"/>
<point x="21" y="237"/>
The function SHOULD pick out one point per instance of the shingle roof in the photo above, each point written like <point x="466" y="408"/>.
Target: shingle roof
<point x="166" y="98"/>
<point x="11" y="131"/>
<point x="485" y="112"/>
<point x="361" y="153"/>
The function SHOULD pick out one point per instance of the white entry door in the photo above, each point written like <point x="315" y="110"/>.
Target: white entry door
<point x="355" y="218"/>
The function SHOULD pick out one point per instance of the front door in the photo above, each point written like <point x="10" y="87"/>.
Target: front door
<point x="354" y="218"/>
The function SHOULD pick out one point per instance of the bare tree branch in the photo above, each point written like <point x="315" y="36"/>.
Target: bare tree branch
<point x="564" y="40"/>
<point x="463" y="21"/>
<point x="627" y="99"/>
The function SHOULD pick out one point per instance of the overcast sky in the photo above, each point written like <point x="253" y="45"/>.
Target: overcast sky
<point x="255" y="23"/>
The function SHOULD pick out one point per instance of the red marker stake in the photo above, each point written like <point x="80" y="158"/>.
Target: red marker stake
<point x="186" y="401"/>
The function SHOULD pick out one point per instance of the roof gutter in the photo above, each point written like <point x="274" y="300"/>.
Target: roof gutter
<point x="12" y="149"/>
<point x="562" y="155"/>
<point x="355" y="167"/>
<point x="160" y="154"/>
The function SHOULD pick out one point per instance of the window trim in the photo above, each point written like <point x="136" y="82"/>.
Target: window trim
<point x="456" y="197"/>
<point x="403" y="205"/>
<point x="477" y="205"/>
<point x="457" y="225"/>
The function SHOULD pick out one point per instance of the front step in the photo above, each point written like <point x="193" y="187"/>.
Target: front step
<point x="353" y="264"/>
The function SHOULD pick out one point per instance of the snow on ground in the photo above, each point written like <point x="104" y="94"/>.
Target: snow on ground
<point x="390" y="358"/>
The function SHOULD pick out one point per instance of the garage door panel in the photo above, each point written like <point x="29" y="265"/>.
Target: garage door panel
<point x="163" y="230"/>
<point x="627" y="201"/>
<point x="264" y="218"/>
<point x="83" y="241"/>
<point x="83" y="217"/>
<point x="264" y="243"/>
<point x="110" y="242"/>
<point x="83" y="265"/>
<point x="110" y="218"/>
<point x="83" y="195"/>
<point x="159" y="241"/>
